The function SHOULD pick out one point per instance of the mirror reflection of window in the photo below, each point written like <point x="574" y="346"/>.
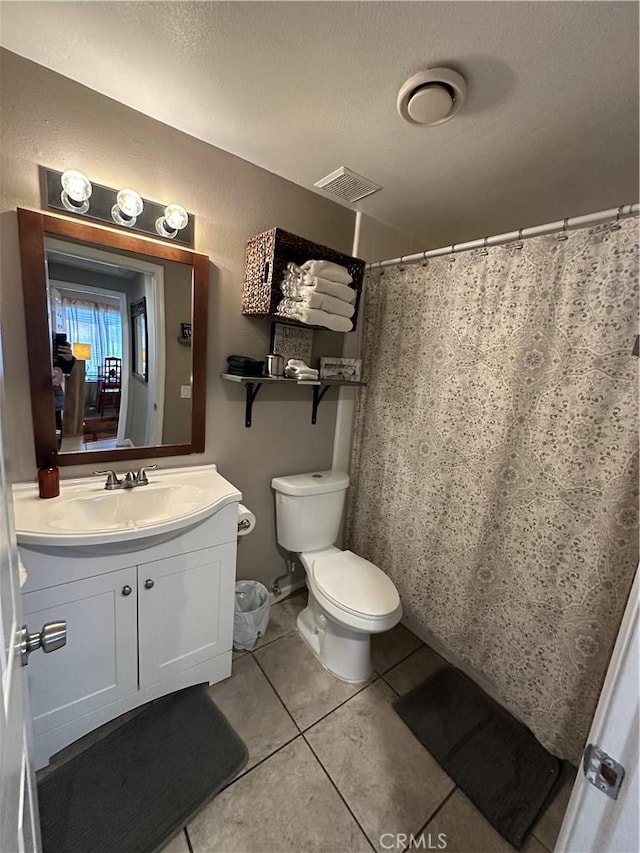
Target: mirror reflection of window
<point x="100" y="325"/>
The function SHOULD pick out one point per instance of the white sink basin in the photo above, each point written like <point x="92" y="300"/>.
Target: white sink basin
<point x="85" y="513"/>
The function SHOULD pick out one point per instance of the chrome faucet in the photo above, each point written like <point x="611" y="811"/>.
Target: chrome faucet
<point x="130" y="479"/>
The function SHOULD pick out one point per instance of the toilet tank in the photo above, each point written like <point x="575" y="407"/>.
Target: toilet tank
<point x="309" y="509"/>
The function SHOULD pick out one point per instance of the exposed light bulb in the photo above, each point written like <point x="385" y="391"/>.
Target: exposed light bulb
<point x="175" y="219"/>
<point x="76" y="191"/>
<point x="129" y="206"/>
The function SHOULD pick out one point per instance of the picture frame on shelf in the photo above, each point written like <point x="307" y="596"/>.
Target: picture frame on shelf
<point x="291" y="342"/>
<point x="345" y="369"/>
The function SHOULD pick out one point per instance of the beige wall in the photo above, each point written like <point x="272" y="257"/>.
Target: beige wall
<point x="52" y="121"/>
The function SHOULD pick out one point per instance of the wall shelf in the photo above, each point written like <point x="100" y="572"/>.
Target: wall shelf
<point x="254" y="383"/>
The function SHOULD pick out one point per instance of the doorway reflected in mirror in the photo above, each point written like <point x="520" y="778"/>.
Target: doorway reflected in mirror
<point x="117" y="304"/>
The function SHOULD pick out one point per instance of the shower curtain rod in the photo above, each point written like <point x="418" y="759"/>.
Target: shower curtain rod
<point x="535" y="231"/>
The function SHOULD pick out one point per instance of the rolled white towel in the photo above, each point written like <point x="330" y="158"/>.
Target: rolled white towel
<point x="332" y="288"/>
<point x="315" y="317"/>
<point x="329" y="270"/>
<point x="299" y="363"/>
<point x="312" y="299"/>
<point x="288" y="307"/>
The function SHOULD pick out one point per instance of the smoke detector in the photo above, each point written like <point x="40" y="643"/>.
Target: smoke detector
<point x="347" y="185"/>
<point x="432" y="97"/>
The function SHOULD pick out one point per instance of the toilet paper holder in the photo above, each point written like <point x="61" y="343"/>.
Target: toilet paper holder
<point x="246" y="520"/>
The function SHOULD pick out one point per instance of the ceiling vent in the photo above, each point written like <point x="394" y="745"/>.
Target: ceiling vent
<point x="432" y="97"/>
<point x="347" y="185"/>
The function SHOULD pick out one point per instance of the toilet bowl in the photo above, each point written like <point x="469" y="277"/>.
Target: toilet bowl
<point x="349" y="597"/>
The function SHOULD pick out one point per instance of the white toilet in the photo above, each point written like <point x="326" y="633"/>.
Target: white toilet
<point x="349" y="597"/>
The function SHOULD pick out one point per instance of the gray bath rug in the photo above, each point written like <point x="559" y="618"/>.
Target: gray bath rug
<point x="494" y="759"/>
<point x="136" y="788"/>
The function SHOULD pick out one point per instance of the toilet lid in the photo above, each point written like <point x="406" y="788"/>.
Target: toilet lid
<point x="356" y="584"/>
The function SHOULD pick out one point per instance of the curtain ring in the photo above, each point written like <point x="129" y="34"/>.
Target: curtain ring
<point x="452" y="257"/>
<point x="519" y="244"/>
<point x="424" y="258"/>
<point x="615" y="226"/>
<point x="484" y="250"/>
<point x="563" y="235"/>
<point x="401" y="264"/>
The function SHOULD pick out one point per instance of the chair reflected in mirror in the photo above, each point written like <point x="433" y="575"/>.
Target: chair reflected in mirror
<point x="110" y="387"/>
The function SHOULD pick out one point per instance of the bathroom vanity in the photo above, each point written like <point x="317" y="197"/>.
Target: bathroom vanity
<point x="144" y="579"/>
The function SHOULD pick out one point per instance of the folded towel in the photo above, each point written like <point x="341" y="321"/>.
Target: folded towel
<point x="332" y="288"/>
<point x="312" y="299"/>
<point x="329" y="270"/>
<point x="242" y="365"/>
<point x="302" y="375"/>
<point x="315" y="317"/>
<point x="298" y="362"/>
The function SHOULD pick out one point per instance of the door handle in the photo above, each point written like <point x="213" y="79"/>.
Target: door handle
<point x="52" y="636"/>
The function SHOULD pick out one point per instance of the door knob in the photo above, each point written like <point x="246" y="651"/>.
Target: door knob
<point x="148" y="583"/>
<point x="126" y="589"/>
<point x="53" y="636"/>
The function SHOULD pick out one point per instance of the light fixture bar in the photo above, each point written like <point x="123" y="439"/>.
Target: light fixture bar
<point x="101" y="203"/>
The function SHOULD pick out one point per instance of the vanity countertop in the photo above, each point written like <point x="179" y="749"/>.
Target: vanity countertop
<point x="85" y="513"/>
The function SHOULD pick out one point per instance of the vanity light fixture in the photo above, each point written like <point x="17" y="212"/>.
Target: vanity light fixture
<point x="69" y="192"/>
<point x="76" y="191"/>
<point x="127" y="208"/>
<point x="175" y="219"/>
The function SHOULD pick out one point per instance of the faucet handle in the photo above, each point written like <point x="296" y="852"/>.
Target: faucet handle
<point x="141" y="476"/>
<point x="112" y="479"/>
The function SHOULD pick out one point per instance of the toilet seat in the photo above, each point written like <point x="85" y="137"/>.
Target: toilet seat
<point x="355" y="585"/>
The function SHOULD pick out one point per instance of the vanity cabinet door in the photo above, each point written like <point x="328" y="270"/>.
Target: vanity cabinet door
<point x="99" y="664"/>
<point x="185" y="611"/>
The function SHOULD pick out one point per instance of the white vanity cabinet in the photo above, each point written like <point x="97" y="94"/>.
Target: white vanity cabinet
<point x="140" y="624"/>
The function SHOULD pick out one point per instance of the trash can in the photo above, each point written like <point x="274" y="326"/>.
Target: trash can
<point x="251" y="614"/>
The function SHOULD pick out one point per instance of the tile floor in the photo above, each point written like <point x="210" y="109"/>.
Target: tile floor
<point x="331" y="766"/>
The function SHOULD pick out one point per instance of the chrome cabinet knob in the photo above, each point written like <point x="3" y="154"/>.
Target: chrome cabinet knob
<point x="148" y="584"/>
<point x="126" y="589"/>
<point x="52" y="636"/>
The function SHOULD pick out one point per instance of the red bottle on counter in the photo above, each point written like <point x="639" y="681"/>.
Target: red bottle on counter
<point x="49" y="478"/>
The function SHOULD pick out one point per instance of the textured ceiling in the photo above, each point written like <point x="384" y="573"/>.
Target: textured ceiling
<point x="550" y="128"/>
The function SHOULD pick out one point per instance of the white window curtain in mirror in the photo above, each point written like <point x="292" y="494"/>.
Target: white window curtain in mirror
<point x="95" y="323"/>
<point x="495" y="462"/>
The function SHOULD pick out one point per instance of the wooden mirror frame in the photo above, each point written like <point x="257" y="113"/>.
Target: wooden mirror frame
<point x="33" y="227"/>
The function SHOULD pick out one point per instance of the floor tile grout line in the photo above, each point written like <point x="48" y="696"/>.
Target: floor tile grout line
<point x="339" y="792"/>
<point x="438" y="809"/>
<point x="402" y="660"/>
<point x="344" y="702"/>
<point x="390" y="685"/>
<point x="246" y="772"/>
<point x="189" y="845"/>
<point x="280" y="699"/>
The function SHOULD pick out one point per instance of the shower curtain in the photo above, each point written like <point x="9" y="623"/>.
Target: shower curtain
<point x="495" y="462"/>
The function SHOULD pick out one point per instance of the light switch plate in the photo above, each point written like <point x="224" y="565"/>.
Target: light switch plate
<point x="185" y="392"/>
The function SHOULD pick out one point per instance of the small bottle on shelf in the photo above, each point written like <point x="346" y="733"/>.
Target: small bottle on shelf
<point x="49" y="477"/>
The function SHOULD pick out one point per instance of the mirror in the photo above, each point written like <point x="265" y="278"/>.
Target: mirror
<point x="116" y="334"/>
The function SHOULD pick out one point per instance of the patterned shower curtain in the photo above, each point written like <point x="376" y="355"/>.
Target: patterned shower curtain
<point x="495" y="462"/>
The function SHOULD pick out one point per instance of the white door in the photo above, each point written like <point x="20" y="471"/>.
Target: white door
<point x="19" y="825"/>
<point x="594" y="822"/>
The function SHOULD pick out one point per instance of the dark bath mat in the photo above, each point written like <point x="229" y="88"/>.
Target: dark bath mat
<point x="494" y="759"/>
<point x="133" y="790"/>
